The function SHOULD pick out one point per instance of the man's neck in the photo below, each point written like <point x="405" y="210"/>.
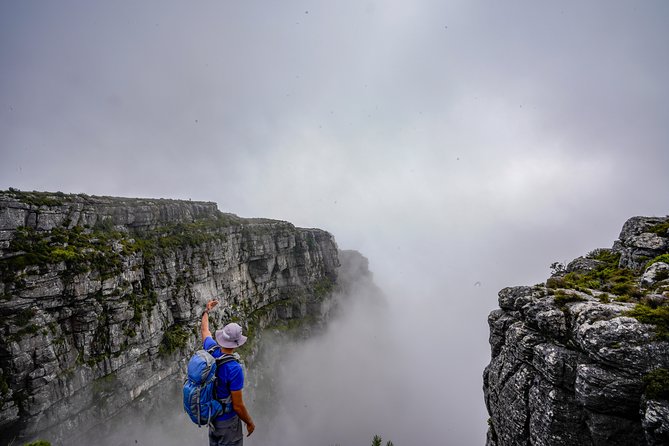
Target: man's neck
<point x="229" y="351"/>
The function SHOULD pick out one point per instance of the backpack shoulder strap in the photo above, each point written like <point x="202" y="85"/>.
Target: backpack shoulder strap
<point x="211" y="349"/>
<point x="225" y="358"/>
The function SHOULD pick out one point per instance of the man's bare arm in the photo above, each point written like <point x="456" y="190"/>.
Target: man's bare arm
<point x="204" y="327"/>
<point x="239" y="407"/>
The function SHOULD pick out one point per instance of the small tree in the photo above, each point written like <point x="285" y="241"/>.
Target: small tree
<point x="557" y="268"/>
<point x="376" y="441"/>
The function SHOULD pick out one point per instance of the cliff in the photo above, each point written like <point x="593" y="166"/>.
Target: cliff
<point x="584" y="358"/>
<point x="101" y="298"/>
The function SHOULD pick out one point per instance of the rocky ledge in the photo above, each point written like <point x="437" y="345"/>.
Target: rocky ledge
<point x="584" y="358"/>
<point x="101" y="297"/>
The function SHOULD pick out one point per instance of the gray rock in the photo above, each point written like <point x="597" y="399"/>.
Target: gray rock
<point x="638" y="225"/>
<point x="612" y="430"/>
<point x="637" y="245"/>
<point x="655" y="422"/>
<point x="514" y="298"/>
<point x="556" y="364"/>
<point x="582" y="264"/>
<point x="555" y="417"/>
<point x="573" y="373"/>
<point x="606" y="391"/>
<point x="623" y="343"/>
<point x="654" y="273"/>
<point x="92" y="343"/>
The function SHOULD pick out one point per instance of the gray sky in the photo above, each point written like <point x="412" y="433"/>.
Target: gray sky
<point x="452" y="142"/>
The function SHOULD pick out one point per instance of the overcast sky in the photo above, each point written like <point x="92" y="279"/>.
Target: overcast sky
<point x="451" y="142"/>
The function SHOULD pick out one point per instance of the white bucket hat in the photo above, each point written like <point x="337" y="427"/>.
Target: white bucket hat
<point x="230" y="336"/>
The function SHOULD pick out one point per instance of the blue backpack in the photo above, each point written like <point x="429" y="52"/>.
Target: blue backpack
<point x="200" y="401"/>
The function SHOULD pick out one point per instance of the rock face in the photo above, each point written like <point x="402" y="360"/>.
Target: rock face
<point x="583" y="359"/>
<point x="101" y="298"/>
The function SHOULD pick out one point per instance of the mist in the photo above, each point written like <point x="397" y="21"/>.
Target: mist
<point x="461" y="146"/>
<point x="377" y="368"/>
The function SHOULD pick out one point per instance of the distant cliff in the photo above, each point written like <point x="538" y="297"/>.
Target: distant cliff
<point x="584" y="358"/>
<point x="101" y="297"/>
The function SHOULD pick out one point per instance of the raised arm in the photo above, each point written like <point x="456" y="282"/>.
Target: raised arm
<point x="204" y="327"/>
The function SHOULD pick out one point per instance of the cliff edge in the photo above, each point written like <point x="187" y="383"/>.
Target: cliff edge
<point x="101" y="297"/>
<point x="584" y="358"/>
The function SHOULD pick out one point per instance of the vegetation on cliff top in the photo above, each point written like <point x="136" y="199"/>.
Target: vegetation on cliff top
<point x="607" y="276"/>
<point x="181" y="235"/>
<point x="42" y="198"/>
<point x="103" y="247"/>
<point x="81" y="249"/>
<point x="35" y="198"/>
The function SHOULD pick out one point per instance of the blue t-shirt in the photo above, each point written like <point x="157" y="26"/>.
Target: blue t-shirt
<point x="230" y="375"/>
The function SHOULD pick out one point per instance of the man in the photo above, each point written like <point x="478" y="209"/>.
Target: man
<point x="226" y="430"/>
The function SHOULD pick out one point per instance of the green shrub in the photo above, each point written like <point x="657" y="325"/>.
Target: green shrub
<point x="608" y="256"/>
<point x="80" y="249"/>
<point x="24" y="316"/>
<point x="656" y="384"/>
<point x="662" y="275"/>
<point x="661" y="258"/>
<point x="555" y="282"/>
<point x="176" y="337"/>
<point x="323" y="287"/>
<point x="38" y="443"/>
<point x="181" y="235"/>
<point x="376" y="441"/>
<point x="661" y="228"/>
<point x="36" y="198"/>
<point x="658" y="316"/>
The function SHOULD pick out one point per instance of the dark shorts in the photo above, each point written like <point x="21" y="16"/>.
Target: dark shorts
<point x="226" y="433"/>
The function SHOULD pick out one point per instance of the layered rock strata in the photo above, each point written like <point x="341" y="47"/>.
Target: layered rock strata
<point x="584" y="358"/>
<point x="101" y="297"/>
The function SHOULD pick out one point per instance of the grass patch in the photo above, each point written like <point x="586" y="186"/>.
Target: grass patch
<point x="38" y="443"/>
<point x="562" y="299"/>
<point x="607" y="277"/>
<point x="661" y="258"/>
<point x="604" y="298"/>
<point x="656" y="384"/>
<point x="660" y="229"/>
<point x="647" y="313"/>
